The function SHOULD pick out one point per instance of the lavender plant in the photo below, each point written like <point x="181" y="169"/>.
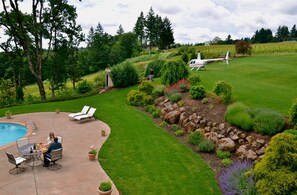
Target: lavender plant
<point x="233" y="179"/>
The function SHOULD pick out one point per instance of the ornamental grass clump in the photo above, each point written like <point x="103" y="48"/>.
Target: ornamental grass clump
<point x="268" y="122"/>
<point x="234" y="179"/>
<point x="238" y="114"/>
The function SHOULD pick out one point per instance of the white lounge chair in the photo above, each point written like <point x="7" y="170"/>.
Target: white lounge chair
<point x="86" y="116"/>
<point x="83" y="111"/>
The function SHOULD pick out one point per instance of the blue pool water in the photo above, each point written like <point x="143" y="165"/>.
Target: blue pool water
<point x="10" y="132"/>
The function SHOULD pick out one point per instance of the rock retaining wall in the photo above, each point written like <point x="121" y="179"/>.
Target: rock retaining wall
<point x="225" y="136"/>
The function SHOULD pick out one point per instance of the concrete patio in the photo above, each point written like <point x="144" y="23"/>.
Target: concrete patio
<point x="78" y="174"/>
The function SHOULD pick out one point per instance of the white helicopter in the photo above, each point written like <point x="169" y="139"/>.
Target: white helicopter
<point x="198" y="63"/>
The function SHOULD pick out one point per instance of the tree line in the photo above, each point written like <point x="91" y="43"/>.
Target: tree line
<point x="44" y="45"/>
<point x="263" y="36"/>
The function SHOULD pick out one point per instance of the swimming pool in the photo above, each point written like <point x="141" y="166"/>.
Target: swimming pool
<point x="9" y="132"/>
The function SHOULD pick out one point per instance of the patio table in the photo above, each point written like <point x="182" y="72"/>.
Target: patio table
<point x="28" y="150"/>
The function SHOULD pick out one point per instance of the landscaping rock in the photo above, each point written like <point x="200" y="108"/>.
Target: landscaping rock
<point x="226" y="144"/>
<point x="172" y="117"/>
<point x="190" y="127"/>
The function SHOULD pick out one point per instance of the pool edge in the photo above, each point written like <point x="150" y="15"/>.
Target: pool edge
<point x="29" y="132"/>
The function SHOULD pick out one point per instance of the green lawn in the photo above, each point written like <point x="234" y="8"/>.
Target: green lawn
<point x="268" y="81"/>
<point x="140" y="157"/>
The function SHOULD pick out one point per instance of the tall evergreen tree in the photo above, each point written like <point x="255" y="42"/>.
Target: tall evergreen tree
<point x="293" y="32"/>
<point x="166" y="37"/>
<point x="282" y="33"/>
<point x="150" y="24"/>
<point x="120" y="31"/>
<point x="139" y="28"/>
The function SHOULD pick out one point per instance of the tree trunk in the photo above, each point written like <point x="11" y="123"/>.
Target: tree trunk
<point x="41" y="88"/>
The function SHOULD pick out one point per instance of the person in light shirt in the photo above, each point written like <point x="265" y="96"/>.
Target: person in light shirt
<point x="50" y="138"/>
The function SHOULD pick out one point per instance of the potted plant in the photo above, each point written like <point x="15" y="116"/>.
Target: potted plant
<point x="103" y="133"/>
<point x="92" y="154"/>
<point x="8" y="114"/>
<point x="57" y="110"/>
<point x="105" y="188"/>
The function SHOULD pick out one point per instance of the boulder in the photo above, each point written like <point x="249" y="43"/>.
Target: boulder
<point x="221" y="126"/>
<point x="251" y="155"/>
<point x="235" y="137"/>
<point x="182" y="118"/>
<point x="212" y="136"/>
<point x="190" y="127"/>
<point x="241" y="151"/>
<point x="261" y="151"/>
<point x="172" y="117"/>
<point x="226" y="144"/>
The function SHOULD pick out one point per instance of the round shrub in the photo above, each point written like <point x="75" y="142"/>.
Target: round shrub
<point x="179" y="132"/>
<point x="139" y="98"/>
<point x="206" y="146"/>
<point x="174" y="97"/>
<point x="195" y="137"/>
<point x="224" y="89"/>
<point x="158" y="91"/>
<point x="173" y="71"/>
<point x="293" y="114"/>
<point x="124" y="75"/>
<point x="268" y="122"/>
<point x="156" y="65"/>
<point x="237" y="114"/>
<point x="84" y="87"/>
<point x="223" y="154"/>
<point x="278" y="167"/>
<point x="195" y="79"/>
<point x="146" y="87"/>
<point x="197" y="92"/>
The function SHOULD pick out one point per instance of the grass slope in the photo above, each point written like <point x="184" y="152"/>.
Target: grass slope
<point x="268" y="81"/>
<point x="140" y="157"/>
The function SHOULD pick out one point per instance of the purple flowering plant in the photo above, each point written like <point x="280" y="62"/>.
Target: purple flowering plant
<point x="233" y="179"/>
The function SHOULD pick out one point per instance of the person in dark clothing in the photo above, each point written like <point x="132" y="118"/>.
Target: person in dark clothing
<point x="151" y="76"/>
<point x="53" y="146"/>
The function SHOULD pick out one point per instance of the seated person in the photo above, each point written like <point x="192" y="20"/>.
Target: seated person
<point x="53" y="146"/>
<point x="50" y="138"/>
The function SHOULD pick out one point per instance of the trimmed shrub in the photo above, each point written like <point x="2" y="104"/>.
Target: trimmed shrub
<point x="156" y="65"/>
<point x="179" y="133"/>
<point x="173" y="71"/>
<point x="163" y="124"/>
<point x="174" y="97"/>
<point x="124" y="75"/>
<point x="268" y="122"/>
<point x="227" y="162"/>
<point x="237" y="114"/>
<point x="139" y="98"/>
<point x="180" y="103"/>
<point x="194" y="79"/>
<point x="146" y="86"/>
<point x="204" y="100"/>
<point x="175" y="127"/>
<point x="84" y="87"/>
<point x="206" y="146"/>
<point x="197" y="92"/>
<point x="223" y="154"/>
<point x="293" y="114"/>
<point x="156" y="113"/>
<point x="234" y="179"/>
<point x="278" y="168"/>
<point x="291" y="131"/>
<point x="224" y="89"/>
<point x="195" y="137"/>
<point x="158" y="91"/>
